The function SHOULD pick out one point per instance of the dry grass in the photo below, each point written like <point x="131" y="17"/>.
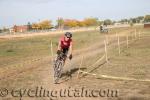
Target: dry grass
<point x="133" y="62"/>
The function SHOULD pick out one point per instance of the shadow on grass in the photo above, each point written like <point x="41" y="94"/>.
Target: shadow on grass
<point x="68" y="75"/>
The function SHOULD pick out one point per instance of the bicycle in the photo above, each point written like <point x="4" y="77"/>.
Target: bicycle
<point x="104" y="31"/>
<point x="58" y="66"/>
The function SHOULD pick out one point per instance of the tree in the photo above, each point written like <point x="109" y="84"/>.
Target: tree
<point x="91" y="21"/>
<point x="45" y="24"/>
<point x="133" y="20"/>
<point x="5" y="29"/>
<point x="70" y="23"/>
<point x="0" y="30"/>
<point x="81" y="23"/>
<point x="131" y="24"/>
<point x="147" y="18"/>
<point x="35" y="26"/>
<point x="122" y="21"/>
<point x="107" y="22"/>
<point x="113" y="22"/>
<point x="60" y="23"/>
<point x="139" y="19"/>
<point x="29" y="26"/>
<point x="100" y="22"/>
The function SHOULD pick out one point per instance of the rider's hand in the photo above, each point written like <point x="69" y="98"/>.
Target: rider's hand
<point x="70" y="56"/>
<point x="58" y="52"/>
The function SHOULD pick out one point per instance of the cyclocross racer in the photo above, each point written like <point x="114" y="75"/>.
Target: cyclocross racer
<point x="65" y="45"/>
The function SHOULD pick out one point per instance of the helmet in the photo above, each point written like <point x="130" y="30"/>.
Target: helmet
<point x="68" y="34"/>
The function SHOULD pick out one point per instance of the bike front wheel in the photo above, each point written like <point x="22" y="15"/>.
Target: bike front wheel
<point x="58" y="70"/>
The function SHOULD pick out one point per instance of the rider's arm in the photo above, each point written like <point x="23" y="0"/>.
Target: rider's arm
<point x="59" y="46"/>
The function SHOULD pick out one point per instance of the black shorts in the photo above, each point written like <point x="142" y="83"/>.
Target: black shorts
<point x="65" y="50"/>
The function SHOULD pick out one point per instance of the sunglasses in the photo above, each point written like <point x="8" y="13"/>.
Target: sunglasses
<point x="68" y="37"/>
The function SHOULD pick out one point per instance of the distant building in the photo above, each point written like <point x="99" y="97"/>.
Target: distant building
<point x="22" y="28"/>
<point x="147" y="25"/>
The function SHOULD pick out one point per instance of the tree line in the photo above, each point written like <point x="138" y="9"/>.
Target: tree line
<point x="87" y="22"/>
<point x="66" y="23"/>
<point x="71" y="23"/>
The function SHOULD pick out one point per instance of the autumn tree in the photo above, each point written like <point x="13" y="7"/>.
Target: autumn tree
<point x="70" y="23"/>
<point x="35" y="26"/>
<point x="147" y="18"/>
<point x="81" y="23"/>
<point x="45" y="24"/>
<point x="91" y="21"/>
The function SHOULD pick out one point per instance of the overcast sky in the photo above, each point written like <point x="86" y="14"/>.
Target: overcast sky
<point x="23" y="11"/>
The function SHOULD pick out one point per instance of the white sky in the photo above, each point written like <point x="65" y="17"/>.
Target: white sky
<point x="24" y="11"/>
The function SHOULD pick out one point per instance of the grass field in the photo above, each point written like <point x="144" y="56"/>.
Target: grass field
<point x="133" y="62"/>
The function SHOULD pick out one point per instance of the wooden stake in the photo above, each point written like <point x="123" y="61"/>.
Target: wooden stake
<point x="118" y="45"/>
<point x="127" y="41"/>
<point x="139" y="34"/>
<point x="106" y="51"/>
<point x="80" y="67"/>
<point x="52" y="51"/>
<point x="135" y="33"/>
<point x="116" y="37"/>
<point x="133" y="36"/>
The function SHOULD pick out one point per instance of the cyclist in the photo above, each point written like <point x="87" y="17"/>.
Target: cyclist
<point x="65" y="45"/>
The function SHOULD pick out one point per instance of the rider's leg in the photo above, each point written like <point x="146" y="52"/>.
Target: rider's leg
<point x="65" y="51"/>
<point x="57" y="54"/>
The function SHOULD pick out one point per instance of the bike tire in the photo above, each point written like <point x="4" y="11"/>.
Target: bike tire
<point x="57" y="70"/>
